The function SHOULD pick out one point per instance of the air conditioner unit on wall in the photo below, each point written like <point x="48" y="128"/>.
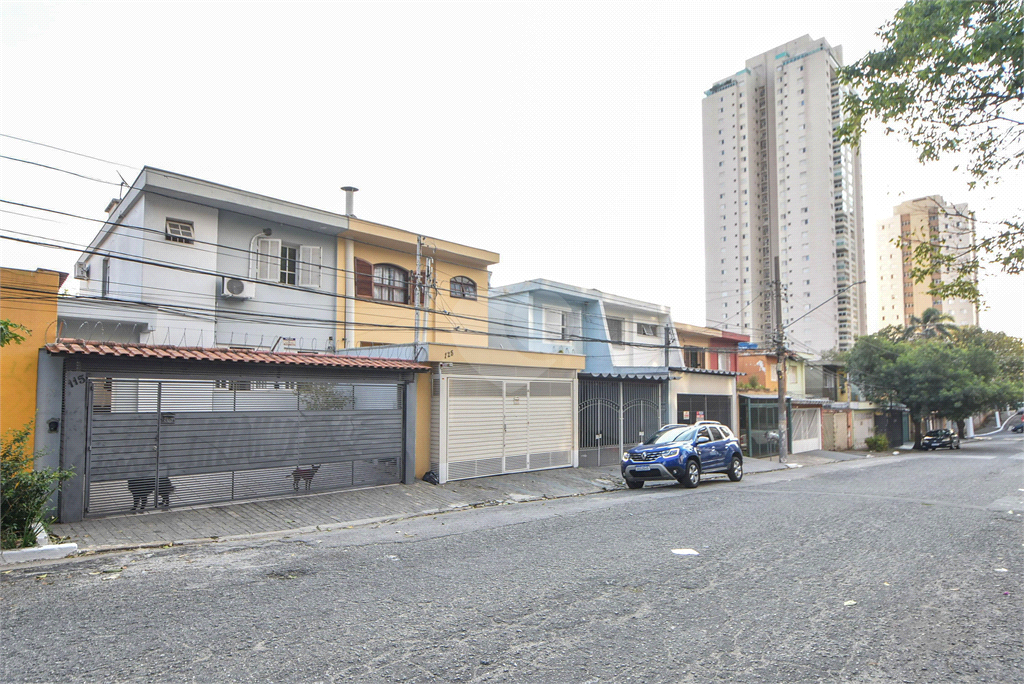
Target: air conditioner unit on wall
<point x="236" y="288"/>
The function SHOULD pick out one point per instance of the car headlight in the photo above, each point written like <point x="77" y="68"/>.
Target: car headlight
<point x="671" y="453"/>
<point x="625" y="455"/>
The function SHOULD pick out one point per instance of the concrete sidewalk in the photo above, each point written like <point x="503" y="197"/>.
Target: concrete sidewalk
<point x="348" y="508"/>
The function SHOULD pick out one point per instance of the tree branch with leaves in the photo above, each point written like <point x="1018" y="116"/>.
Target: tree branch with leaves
<point x="950" y="80"/>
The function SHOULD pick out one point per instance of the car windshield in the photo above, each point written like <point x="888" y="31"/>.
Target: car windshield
<point x="672" y="434"/>
<point x="935" y="433"/>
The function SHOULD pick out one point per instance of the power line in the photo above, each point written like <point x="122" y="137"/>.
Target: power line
<point x="259" y="317"/>
<point x="210" y="184"/>
<point x="61" y="149"/>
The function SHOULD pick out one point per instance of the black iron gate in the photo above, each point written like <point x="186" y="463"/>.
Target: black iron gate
<point x="615" y="415"/>
<point x="163" y="443"/>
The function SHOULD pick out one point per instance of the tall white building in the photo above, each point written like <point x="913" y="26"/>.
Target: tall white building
<point x="776" y="184"/>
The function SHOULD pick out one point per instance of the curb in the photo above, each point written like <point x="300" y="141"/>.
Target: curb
<point x="45" y="550"/>
<point x="509" y="499"/>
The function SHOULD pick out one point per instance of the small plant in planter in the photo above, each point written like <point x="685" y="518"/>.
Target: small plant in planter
<point x="24" y="491"/>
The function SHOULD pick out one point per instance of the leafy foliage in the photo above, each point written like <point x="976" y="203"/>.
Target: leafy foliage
<point x="1009" y="350"/>
<point x="9" y="332"/>
<point x="950" y="79"/>
<point x="23" y="491"/>
<point x="932" y="324"/>
<point x="933" y="376"/>
<point x="877" y="443"/>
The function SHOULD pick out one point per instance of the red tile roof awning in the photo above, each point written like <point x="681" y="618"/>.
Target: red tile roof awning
<point x="158" y="351"/>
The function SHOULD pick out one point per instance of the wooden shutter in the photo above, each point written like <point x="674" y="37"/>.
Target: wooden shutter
<point x="268" y="259"/>
<point x="364" y="279"/>
<point x="310" y="259"/>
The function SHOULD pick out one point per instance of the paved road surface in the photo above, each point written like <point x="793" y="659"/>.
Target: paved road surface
<point x="899" y="569"/>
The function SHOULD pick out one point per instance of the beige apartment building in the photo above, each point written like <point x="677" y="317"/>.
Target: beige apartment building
<point x="899" y="297"/>
<point x="777" y="185"/>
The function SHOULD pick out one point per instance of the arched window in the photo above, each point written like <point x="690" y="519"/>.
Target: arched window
<point x="463" y="288"/>
<point x="390" y="283"/>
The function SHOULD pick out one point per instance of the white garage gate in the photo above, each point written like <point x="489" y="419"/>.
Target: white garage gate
<point x="495" y="420"/>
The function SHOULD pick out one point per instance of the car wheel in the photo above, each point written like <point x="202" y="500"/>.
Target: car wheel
<point x="691" y="478"/>
<point x="634" y="484"/>
<point x="736" y="469"/>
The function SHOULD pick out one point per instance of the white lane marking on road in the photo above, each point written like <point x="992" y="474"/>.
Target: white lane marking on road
<point x="685" y="552"/>
<point x="975" y="458"/>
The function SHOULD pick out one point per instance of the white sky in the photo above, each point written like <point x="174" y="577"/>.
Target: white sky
<point x="564" y="136"/>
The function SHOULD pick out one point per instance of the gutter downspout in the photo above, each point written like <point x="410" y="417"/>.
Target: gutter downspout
<point x="350" y="293"/>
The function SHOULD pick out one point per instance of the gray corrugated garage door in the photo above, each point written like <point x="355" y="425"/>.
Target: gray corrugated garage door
<point x="182" y="442"/>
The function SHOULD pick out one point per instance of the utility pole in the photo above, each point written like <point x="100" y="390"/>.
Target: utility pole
<point x="417" y="295"/>
<point x="780" y="366"/>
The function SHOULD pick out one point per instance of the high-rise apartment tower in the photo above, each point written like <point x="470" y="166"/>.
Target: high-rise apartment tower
<point x="927" y="218"/>
<point x="777" y="184"/>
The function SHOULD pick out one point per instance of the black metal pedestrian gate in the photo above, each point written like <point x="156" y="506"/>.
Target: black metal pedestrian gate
<point x="165" y="443"/>
<point x="615" y="415"/>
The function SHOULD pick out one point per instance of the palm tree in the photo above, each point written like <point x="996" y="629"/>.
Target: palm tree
<point x="932" y="324"/>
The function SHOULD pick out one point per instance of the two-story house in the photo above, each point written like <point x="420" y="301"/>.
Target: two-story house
<point x="198" y="298"/>
<point x="704" y="387"/>
<point x="629" y="348"/>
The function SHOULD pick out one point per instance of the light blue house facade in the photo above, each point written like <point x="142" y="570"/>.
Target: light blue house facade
<point x="629" y="345"/>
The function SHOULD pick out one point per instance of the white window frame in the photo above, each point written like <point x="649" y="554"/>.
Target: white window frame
<point x="648" y="329"/>
<point x="179" y="231"/>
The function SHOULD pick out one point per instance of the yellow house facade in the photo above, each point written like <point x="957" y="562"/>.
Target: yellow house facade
<point x="482" y="410"/>
<point x="28" y="298"/>
<point x="381" y="288"/>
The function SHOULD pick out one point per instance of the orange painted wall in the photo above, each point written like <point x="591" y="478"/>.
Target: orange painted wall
<point x="30" y="299"/>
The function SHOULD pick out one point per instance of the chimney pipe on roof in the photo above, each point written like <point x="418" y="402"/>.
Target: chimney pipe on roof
<point x="349" y="192"/>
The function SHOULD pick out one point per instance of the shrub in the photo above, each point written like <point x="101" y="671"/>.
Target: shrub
<point x="24" y="491"/>
<point x="877" y="443"/>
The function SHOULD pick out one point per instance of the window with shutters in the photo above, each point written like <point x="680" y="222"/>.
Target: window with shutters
<point x="289" y="257"/>
<point x="390" y="283"/>
<point x="463" y="288"/>
<point x="287" y="264"/>
<point x="310" y="265"/>
<point x="693" y="357"/>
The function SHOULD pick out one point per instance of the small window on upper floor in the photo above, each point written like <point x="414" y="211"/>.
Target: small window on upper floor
<point x="615" y="330"/>
<point x="179" y="231"/>
<point x="648" y="329"/>
<point x="463" y="288"/>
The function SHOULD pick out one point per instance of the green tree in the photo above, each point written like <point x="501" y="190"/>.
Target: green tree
<point x="9" y="332"/>
<point x="950" y="79"/>
<point x="1009" y="350"/>
<point x="931" y="376"/>
<point x="932" y="324"/>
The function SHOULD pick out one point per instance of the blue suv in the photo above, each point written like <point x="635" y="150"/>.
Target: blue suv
<point x="683" y="452"/>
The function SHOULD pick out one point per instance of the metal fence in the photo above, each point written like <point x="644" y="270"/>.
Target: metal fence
<point x="163" y="443"/>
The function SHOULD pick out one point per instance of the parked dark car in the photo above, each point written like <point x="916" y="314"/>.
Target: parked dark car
<point x="683" y="453"/>
<point x="940" y="439"/>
